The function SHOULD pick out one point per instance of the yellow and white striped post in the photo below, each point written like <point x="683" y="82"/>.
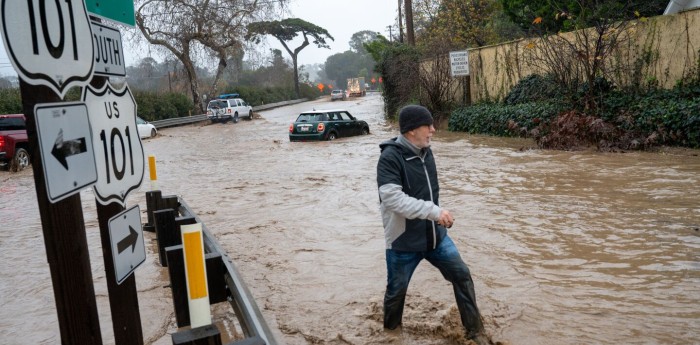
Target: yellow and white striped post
<point x="196" y="275"/>
<point x="152" y="169"/>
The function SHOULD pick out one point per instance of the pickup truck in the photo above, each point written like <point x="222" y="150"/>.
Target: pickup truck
<point x="14" y="146"/>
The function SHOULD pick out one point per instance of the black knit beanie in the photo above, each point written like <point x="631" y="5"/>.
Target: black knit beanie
<point x="412" y="117"/>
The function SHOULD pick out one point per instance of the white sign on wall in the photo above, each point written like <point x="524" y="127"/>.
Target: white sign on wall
<point x="459" y="63"/>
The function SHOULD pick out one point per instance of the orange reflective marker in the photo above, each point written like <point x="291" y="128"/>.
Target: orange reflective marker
<point x="152" y="169"/>
<point x="195" y="274"/>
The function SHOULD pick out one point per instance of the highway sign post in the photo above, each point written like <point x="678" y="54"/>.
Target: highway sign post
<point x="121" y="11"/>
<point x="65" y="143"/>
<point x="126" y="237"/>
<point x="123" y="297"/>
<point x="45" y="41"/>
<point x="119" y="152"/>
<point x="109" y="53"/>
<point x="42" y="35"/>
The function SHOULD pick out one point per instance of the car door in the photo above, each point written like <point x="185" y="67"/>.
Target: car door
<point x="344" y="128"/>
<point x="238" y="106"/>
<point x="354" y="127"/>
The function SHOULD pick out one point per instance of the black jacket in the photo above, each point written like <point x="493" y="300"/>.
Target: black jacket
<point x="409" y="197"/>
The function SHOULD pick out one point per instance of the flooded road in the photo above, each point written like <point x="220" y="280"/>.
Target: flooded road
<point x="564" y="247"/>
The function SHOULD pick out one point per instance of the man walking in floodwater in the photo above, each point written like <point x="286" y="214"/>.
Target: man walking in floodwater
<point x="415" y="226"/>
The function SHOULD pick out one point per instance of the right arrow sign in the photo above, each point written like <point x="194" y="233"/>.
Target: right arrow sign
<point x="126" y="237"/>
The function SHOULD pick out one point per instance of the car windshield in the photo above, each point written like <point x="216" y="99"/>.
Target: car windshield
<point x="310" y="117"/>
<point x="11" y="123"/>
<point x="337" y="91"/>
<point x="217" y="104"/>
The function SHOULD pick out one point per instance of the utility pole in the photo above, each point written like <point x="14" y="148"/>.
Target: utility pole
<point x="390" y="34"/>
<point x="409" y="22"/>
<point x="400" y="24"/>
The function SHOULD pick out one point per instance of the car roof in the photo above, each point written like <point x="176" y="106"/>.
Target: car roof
<point x="228" y="95"/>
<point x="224" y="99"/>
<point x="321" y="111"/>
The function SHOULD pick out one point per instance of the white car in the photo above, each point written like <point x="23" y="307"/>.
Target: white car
<point x="229" y="109"/>
<point x="337" y="94"/>
<point x="146" y="130"/>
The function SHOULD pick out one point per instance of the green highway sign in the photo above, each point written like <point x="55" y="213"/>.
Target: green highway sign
<point x="118" y="10"/>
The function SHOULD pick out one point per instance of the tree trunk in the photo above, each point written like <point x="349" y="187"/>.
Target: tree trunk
<point x="194" y="85"/>
<point x="219" y="73"/>
<point x="296" y="76"/>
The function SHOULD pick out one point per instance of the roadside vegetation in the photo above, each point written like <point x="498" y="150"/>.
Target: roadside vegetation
<point x="583" y="95"/>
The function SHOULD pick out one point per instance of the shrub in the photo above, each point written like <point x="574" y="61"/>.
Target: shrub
<point x="533" y="88"/>
<point x="152" y="106"/>
<point x="503" y="120"/>
<point x="10" y="101"/>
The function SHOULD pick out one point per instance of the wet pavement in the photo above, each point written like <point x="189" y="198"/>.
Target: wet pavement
<point x="564" y="247"/>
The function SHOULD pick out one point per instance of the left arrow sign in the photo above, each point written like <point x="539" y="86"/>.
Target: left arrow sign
<point x="69" y="165"/>
<point x="62" y="149"/>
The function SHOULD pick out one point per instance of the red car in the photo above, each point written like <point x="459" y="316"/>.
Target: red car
<point x="14" y="146"/>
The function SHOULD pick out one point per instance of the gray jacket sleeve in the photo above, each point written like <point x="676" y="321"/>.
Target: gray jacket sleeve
<point x="395" y="200"/>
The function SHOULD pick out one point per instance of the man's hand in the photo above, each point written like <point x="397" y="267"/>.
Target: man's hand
<point x="446" y="219"/>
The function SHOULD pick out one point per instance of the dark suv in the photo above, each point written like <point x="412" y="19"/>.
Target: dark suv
<point x="14" y="147"/>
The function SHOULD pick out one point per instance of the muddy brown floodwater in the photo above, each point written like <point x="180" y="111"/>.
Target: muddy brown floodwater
<point x="564" y="247"/>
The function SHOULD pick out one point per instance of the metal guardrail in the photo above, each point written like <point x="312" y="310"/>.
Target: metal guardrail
<point x="242" y="302"/>
<point x="179" y="121"/>
<point x="166" y="214"/>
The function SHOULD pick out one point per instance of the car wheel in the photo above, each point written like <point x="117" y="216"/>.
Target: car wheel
<point x="234" y="119"/>
<point x="153" y="132"/>
<point x="20" y="160"/>
<point x="332" y="136"/>
<point x="250" y="115"/>
<point x="365" y="130"/>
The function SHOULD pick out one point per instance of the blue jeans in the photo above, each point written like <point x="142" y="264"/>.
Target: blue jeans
<point x="400" y="266"/>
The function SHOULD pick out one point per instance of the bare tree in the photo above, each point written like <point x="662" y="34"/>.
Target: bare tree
<point x="215" y="27"/>
<point x="438" y="87"/>
<point x="584" y="55"/>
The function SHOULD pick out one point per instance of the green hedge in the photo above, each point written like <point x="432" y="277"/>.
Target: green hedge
<point x="639" y="120"/>
<point x="152" y="106"/>
<point x="503" y="120"/>
<point x="10" y="101"/>
<point x="670" y="116"/>
<point x="258" y="96"/>
<point x="533" y="88"/>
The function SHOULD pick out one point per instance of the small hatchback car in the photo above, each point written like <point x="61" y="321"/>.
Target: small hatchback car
<point x="337" y="94"/>
<point x="326" y="125"/>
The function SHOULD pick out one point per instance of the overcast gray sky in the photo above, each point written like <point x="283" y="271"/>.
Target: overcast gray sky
<point x="342" y="18"/>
